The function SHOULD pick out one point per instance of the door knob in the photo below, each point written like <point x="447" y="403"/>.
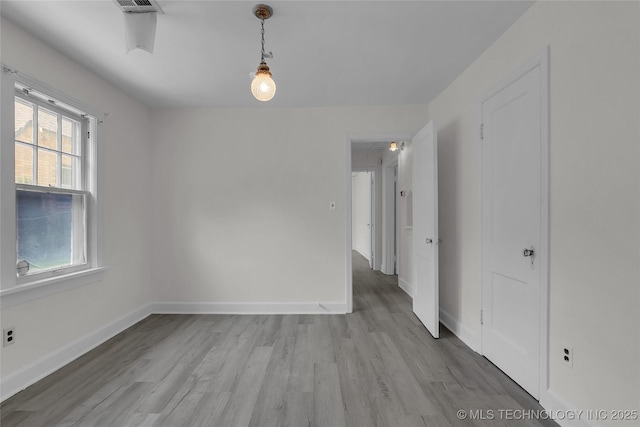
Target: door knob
<point x="528" y="252"/>
<point x="429" y="241"/>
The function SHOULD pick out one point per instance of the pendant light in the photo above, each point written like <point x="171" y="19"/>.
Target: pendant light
<point x="263" y="87"/>
<point x="393" y="146"/>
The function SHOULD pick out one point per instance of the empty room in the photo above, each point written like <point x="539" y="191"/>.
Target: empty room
<point x="320" y="213"/>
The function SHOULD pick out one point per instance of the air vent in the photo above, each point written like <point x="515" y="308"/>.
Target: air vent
<point x="138" y="6"/>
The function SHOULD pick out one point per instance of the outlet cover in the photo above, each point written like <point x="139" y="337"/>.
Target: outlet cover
<point x="8" y="336"/>
<point x="567" y="355"/>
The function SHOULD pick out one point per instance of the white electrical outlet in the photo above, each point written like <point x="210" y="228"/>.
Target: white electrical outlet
<point x="567" y="355"/>
<point x="8" y="336"/>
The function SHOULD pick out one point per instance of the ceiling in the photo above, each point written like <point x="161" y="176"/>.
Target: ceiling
<point x="326" y="53"/>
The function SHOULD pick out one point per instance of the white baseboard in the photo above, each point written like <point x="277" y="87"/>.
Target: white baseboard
<point x="250" y="308"/>
<point x="363" y="252"/>
<point x="383" y="269"/>
<point x="564" y="414"/>
<point x="405" y="286"/>
<point x="465" y="334"/>
<point x="30" y="374"/>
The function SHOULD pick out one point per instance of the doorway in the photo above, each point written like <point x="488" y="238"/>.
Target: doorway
<point x="394" y="225"/>
<point x="363" y="215"/>
<point x="371" y="154"/>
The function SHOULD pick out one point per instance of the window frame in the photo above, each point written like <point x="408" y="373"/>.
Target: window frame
<point x="24" y="95"/>
<point x="51" y="106"/>
<point x="16" y="290"/>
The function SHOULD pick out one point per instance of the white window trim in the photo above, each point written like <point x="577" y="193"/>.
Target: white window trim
<point x="12" y="290"/>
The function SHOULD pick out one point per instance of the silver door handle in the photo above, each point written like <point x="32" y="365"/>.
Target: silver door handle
<point x="429" y="241"/>
<point x="528" y="252"/>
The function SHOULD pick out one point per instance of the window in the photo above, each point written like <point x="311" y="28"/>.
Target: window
<point x="50" y="190"/>
<point x="51" y="212"/>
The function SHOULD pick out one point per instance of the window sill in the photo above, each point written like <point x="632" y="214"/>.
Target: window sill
<point x="49" y="286"/>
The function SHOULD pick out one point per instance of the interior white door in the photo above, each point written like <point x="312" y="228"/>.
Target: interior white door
<point x="511" y="228"/>
<point x="396" y="221"/>
<point x="425" y="228"/>
<point x="372" y="219"/>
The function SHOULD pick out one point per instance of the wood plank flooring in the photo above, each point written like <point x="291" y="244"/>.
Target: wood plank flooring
<point x="376" y="367"/>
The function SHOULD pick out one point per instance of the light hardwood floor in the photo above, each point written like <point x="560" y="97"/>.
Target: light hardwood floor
<point x="375" y="367"/>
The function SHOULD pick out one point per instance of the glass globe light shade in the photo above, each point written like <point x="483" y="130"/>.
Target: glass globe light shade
<point x="263" y="87"/>
<point x="393" y="146"/>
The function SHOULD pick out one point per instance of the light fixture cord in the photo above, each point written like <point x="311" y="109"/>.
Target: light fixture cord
<point x="262" y="55"/>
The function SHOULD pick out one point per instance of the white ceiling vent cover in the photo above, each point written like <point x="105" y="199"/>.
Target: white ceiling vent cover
<point x="140" y="20"/>
<point x="140" y="30"/>
<point x="139" y="6"/>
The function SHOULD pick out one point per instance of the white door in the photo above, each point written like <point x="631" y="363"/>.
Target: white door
<point x="396" y="221"/>
<point x="372" y="219"/>
<point x="425" y="228"/>
<point x="513" y="188"/>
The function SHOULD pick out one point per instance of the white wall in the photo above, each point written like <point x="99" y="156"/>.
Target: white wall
<point x="365" y="160"/>
<point x="361" y="213"/>
<point x="595" y="188"/>
<point x="48" y="325"/>
<point x="242" y="200"/>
